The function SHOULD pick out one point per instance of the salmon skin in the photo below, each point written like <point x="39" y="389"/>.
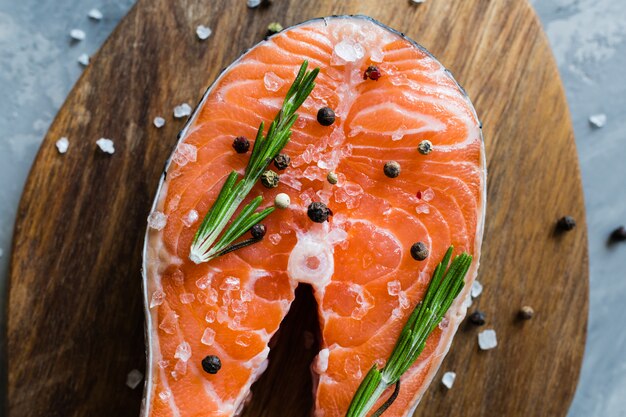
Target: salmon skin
<point x="359" y="264"/>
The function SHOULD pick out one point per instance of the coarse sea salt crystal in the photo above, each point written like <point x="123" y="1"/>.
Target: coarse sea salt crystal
<point x="352" y="366"/>
<point x="165" y="395"/>
<point x="210" y="316"/>
<point x="598" y="120"/>
<point x="398" y="134"/>
<point x="243" y="340"/>
<point x="187" y="298"/>
<point x="428" y="194"/>
<point x="83" y="59"/>
<point x="106" y="145"/>
<point x="321" y="361"/>
<point x="275" y="238"/>
<point x="487" y="339"/>
<point x="272" y="81"/>
<point x="422" y="209"/>
<point x="203" y="32"/>
<point x="183" y="352"/>
<point x="204" y="282"/>
<point x="230" y="284"/>
<point x="222" y="315"/>
<point x="239" y="306"/>
<point x="190" y="218"/>
<point x="133" y="379"/>
<point x="62" y="144"/>
<point x="403" y="300"/>
<point x="184" y="154"/>
<point x="208" y="337"/>
<point x="346" y="51"/>
<point x="477" y="289"/>
<point x="95" y="14"/>
<point x="157" y="220"/>
<point x="77" y="34"/>
<point x="163" y="364"/>
<point x="448" y="379"/>
<point x="159" y="122"/>
<point x="394" y="288"/>
<point x="182" y="110"/>
<point x="169" y="323"/>
<point x="157" y="298"/>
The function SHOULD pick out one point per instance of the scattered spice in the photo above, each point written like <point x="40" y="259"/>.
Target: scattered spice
<point x="269" y="179"/>
<point x="281" y="161"/>
<point x="419" y="251"/>
<point x="618" y="235"/>
<point x="241" y="144"/>
<point x="318" y="212"/>
<point x="392" y="169"/>
<point x="258" y="231"/>
<point x="211" y="364"/>
<point x="332" y="178"/>
<point x="477" y="318"/>
<point x="282" y="200"/>
<point x="326" y="116"/>
<point x="566" y="223"/>
<point x="526" y="313"/>
<point x="425" y="147"/>
<point x="372" y="72"/>
<point x="273" y="28"/>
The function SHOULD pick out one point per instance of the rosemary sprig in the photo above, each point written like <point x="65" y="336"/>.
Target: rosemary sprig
<point x="211" y="240"/>
<point x="444" y="287"/>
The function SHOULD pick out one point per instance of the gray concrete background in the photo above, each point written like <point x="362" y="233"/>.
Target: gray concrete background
<point x="38" y="67"/>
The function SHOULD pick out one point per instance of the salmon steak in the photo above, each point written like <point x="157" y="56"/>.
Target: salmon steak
<point x="401" y="162"/>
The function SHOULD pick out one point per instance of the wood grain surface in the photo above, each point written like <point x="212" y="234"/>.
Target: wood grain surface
<point x="75" y="324"/>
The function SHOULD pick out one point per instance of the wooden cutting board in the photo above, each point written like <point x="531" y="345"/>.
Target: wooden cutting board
<point x="75" y="324"/>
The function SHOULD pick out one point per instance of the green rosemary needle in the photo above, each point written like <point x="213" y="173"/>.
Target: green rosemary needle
<point x="444" y="287"/>
<point x="215" y="236"/>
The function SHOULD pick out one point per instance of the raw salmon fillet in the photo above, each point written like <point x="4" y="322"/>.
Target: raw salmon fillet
<point x="365" y="281"/>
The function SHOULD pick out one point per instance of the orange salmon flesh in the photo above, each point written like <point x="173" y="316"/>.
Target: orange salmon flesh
<point x="358" y="263"/>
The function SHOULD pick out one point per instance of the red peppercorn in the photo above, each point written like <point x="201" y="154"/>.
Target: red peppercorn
<point x="419" y="195"/>
<point x="372" y="72"/>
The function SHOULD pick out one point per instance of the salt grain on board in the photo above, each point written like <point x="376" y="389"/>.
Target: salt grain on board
<point x="95" y="14"/>
<point x="477" y="289"/>
<point x="134" y="378"/>
<point x="203" y="32"/>
<point x="106" y="145"/>
<point x="182" y="110"/>
<point x="597" y="120"/>
<point x="83" y="60"/>
<point x="77" y="34"/>
<point x="448" y="379"/>
<point x="159" y="122"/>
<point x="62" y="145"/>
<point x="253" y="3"/>
<point x="487" y="339"/>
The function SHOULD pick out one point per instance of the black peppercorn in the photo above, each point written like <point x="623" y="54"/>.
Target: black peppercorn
<point x="326" y="116"/>
<point x="372" y="72"/>
<point x="526" y="313"/>
<point x="258" y="231"/>
<point x="318" y="212"/>
<point x="241" y="144"/>
<point x="477" y="318"/>
<point x="392" y="169"/>
<point x="419" y="251"/>
<point x="619" y="234"/>
<point x="425" y="147"/>
<point x="211" y="364"/>
<point x="281" y="161"/>
<point x="270" y="179"/>
<point x="566" y="223"/>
